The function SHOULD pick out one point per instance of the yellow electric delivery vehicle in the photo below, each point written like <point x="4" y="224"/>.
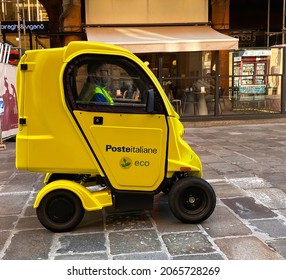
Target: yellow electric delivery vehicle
<point x="95" y="119"/>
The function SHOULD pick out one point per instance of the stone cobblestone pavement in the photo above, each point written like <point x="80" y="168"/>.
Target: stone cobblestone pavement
<point x="244" y="163"/>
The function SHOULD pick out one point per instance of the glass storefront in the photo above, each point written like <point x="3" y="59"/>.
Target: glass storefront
<point x="253" y="84"/>
<point x="250" y="82"/>
<point x="200" y="84"/>
<point x="31" y="10"/>
<point x="20" y="21"/>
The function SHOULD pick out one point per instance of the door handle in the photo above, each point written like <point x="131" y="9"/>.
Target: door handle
<point x="98" y="120"/>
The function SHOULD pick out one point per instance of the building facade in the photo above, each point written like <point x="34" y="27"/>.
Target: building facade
<point x="201" y="58"/>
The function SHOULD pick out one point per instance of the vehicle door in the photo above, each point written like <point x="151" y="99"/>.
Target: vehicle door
<point x="127" y="139"/>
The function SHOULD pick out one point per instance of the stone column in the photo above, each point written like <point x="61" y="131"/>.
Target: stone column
<point x="220" y="22"/>
<point x="70" y="20"/>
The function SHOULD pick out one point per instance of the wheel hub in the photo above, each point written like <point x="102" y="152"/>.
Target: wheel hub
<point x="60" y="210"/>
<point x="192" y="200"/>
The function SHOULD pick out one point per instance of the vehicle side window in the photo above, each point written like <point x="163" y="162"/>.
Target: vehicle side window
<point x="103" y="83"/>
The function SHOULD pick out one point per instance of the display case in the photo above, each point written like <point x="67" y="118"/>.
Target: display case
<point x="250" y="69"/>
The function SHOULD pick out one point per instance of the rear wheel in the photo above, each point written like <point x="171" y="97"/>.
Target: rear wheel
<point x="192" y="200"/>
<point x="60" y="210"/>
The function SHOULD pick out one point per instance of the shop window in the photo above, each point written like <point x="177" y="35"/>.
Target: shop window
<point x="104" y="83"/>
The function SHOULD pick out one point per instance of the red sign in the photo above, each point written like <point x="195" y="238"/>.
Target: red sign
<point x="8" y="103"/>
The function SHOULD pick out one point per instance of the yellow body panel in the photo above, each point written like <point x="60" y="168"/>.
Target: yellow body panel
<point x="49" y="126"/>
<point x="181" y="154"/>
<point x="90" y="200"/>
<point x="133" y="155"/>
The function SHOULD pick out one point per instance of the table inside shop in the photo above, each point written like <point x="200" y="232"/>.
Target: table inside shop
<point x="195" y="103"/>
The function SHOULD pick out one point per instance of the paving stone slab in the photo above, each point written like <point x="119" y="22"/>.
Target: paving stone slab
<point x="224" y="190"/>
<point x="5" y="174"/>
<point x="126" y="242"/>
<point x="131" y="221"/>
<point x="87" y="256"/>
<point x="187" y="243"/>
<point x="143" y="256"/>
<point x="246" y="248"/>
<point x="24" y="179"/>
<point x="8" y="163"/>
<point x="271" y="197"/>
<point x="250" y="182"/>
<point x="276" y="178"/>
<point x="29" y="223"/>
<point x="4" y="235"/>
<point x="279" y="167"/>
<point x="219" y="150"/>
<point x="165" y="221"/>
<point x="239" y="159"/>
<point x="278" y="245"/>
<point x="211" y="256"/>
<point x="273" y="227"/>
<point x="30" y="211"/>
<point x="210" y="158"/>
<point x="8" y="222"/>
<point x="282" y="212"/>
<point x="10" y="187"/>
<point x="211" y="173"/>
<point x="253" y="168"/>
<point x="92" y="221"/>
<point x="248" y="208"/>
<point x="29" y="245"/>
<point x="81" y="243"/>
<point x="12" y="204"/>
<point x="225" y="168"/>
<point x="223" y="223"/>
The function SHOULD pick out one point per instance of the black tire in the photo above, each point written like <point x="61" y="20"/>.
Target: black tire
<point x="192" y="200"/>
<point x="60" y="211"/>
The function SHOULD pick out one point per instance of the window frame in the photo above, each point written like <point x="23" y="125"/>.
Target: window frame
<point x="120" y="105"/>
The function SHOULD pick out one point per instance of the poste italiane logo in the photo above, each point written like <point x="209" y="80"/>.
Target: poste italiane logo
<point x="125" y="163"/>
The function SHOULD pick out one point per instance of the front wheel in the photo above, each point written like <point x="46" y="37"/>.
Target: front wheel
<point x="192" y="200"/>
<point x="60" y="211"/>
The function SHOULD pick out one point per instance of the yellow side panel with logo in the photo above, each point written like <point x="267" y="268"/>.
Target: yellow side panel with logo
<point x="131" y="148"/>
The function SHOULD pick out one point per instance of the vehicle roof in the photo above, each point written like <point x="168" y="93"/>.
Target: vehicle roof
<point x="80" y="46"/>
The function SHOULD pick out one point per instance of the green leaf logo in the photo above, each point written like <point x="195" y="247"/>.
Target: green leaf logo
<point x="125" y="163"/>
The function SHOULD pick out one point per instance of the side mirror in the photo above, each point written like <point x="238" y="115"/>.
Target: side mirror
<point x="150" y="101"/>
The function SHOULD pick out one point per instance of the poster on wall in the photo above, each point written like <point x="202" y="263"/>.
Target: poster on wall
<point x="8" y="102"/>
